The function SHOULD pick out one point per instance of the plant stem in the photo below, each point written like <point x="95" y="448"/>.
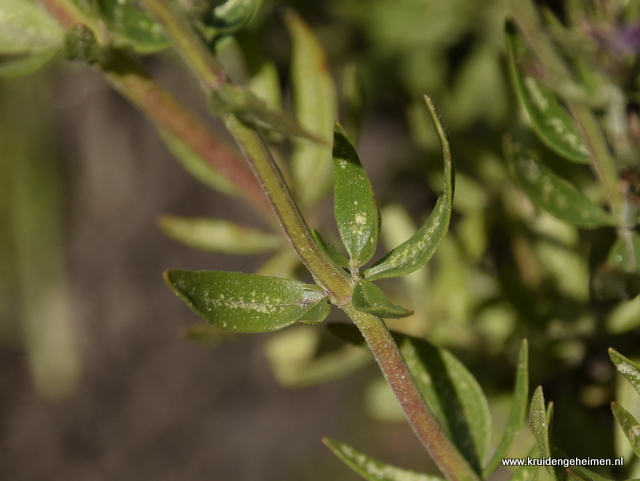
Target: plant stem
<point x="187" y="42"/>
<point x="128" y="77"/>
<point x="337" y="282"/>
<point x="420" y="417"/>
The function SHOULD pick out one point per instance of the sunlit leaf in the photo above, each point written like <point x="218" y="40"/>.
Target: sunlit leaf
<point x="371" y="469"/>
<point x="355" y="206"/>
<point x="218" y="235"/>
<point x="25" y="27"/>
<point x="237" y="100"/>
<point x="629" y="426"/>
<point x="316" y="109"/>
<point x="330" y="251"/>
<point x="624" y="317"/>
<point x="549" y="119"/>
<point x="629" y="369"/>
<point x="367" y="297"/>
<point x="266" y="85"/>
<point x="553" y="194"/>
<point x="27" y="64"/>
<point x="294" y="359"/>
<point x="244" y="302"/>
<point x="415" y="252"/>
<point x="518" y="410"/>
<point x="134" y="27"/>
<point x="449" y="389"/>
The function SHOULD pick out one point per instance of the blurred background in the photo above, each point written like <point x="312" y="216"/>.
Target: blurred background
<point x="96" y="382"/>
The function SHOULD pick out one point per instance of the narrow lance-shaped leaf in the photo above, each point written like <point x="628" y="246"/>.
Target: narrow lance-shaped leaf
<point x="218" y="235"/>
<point x="316" y="107"/>
<point x="629" y="369"/>
<point x="539" y="421"/>
<point x="629" y="426"/>
<point x="549" y="119"/>
<point x="415" y="252"/>
<point x="371" y="469"/>
<point x="553" y="194"/>
<point x="134" y="27"/>
<point x="244" y="302"/>
<point x="367" y="297"/>
<point x="237" y="100"/>
<point x="25" y="28"/>
<point x="518" y="411"/>
<point x="355" y="206"/>
<point x="450" y="390"/>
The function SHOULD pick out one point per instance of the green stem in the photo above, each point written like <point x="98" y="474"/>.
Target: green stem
<point x="422" y="420"/>
<point x="187" y="42"/>
<point x="331" y="277"/>
<point x="128" y="77"/>
<point x="338" y="284"/>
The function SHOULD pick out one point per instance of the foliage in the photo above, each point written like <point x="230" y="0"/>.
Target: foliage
<point x="543" y="244"/>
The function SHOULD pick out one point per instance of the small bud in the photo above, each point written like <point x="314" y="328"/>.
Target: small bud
<point x="80" y="44"/>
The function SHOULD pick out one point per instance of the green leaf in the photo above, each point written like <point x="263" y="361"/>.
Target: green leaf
<point x="237" y="100"/>
<point x="81" y="44"/>
<point x="25" y="27"/>
<point x="206" y="334"/>
<point x="134" y="27"/>
<point x="553" y="194"/>
<point x="266" y="85"/>
<point x="415" y="252"/>
<point x="218" y="235"/>
<point x="367" y="297"/>
<point x="448" y="387"/>
<point x="230" y="16"/>
<point x="244" y="302"/>
<point x="316" y="314"/>
<point x="629" y="426"/>
<point x="518" y="410"/>
<point x="330" y="251"/>
<point x="28" y="63"/>
<point x="549" y="119"/>
<point x="355" y="206"/>
<point x="629" y="369"/>
<point x="316" y="107"/>
<point x="539" y="421"/>
<point x="372" y="469"/>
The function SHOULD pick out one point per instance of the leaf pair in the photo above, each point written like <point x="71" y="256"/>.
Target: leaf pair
<point x="358" y="218"/>
<point x="628" y="423"/>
